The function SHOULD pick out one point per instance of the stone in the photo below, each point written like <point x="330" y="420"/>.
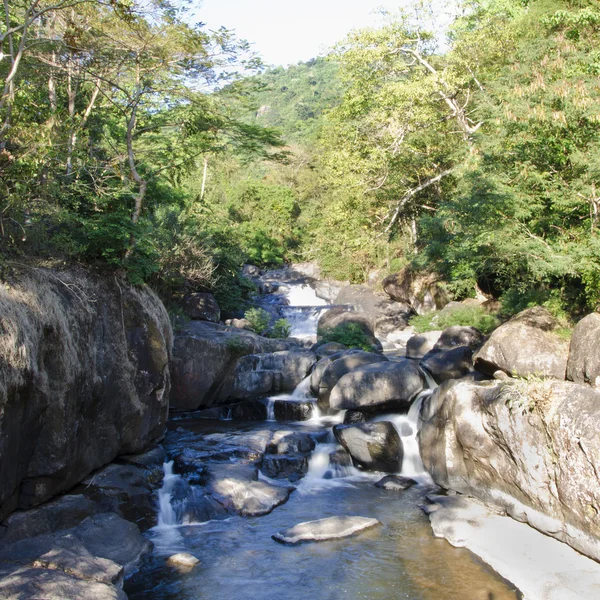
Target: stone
<point x="153" y="458"/>
<point x="372" y="446"/>
<point x="92" y="382"/>
<point x="293" y="410"/>
<point x="422" y="343"/>
<point x="355" y="416"/>
<point x="584" y="353"/>
<point x="48" y="584"/>
<point x="63" y="513"/>
<point x="204" y="361"/>
<point x="525" y="346"/>
<point x="422" y="291"/>
<point x="338" y="368"/>
<point x="200" y="306"/>
<point x="459" y="335"/>
<point x="317" y="373"/>
<point x="183" y="561"/>
<point x="340" y="315"/>
<point x="125" y="490"/>
<point x="287" y="442"/>
<point x="527" y="448"/>
<point x="250" y="271"/>
<point x="395" y="483"/>
<point x="323" y="350"/>
<point x="241" y="324"/>
<point x="378" y="387"/>
<point x="331" y="528"/>
<point x="448" y="364"/>
<point x="281" y="466"/>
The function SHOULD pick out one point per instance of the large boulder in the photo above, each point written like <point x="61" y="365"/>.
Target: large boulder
<point x="330" y="528"/>
<point x="459" y="335"/>
<point x="338" y="368"/>
<point x="202" y="307"/>
<point x="339" y="315"/>
<point x="525" y="346"/>
<point x="421" y="343"/>
<point x="528" y="448"/>
<point x="378" y="387"/>
<point x="448" y="364"/>
<point x="584" y="354"/>
<point x="84" y="377"/>
<point x="372" y="446"/>
<point x="204" y="358"/>
<point x="270" y="373"/>
<point x="318" y="370"/>
<point x="422" y="291"/>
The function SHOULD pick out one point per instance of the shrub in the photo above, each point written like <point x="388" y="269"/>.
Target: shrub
<point x="473" y="316"/>
<point x="351" y="335"/>
<point x="281" y="329"/>
<point x="259" y="319"/>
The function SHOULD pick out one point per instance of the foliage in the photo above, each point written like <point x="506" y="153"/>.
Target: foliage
<point x="473" y="316"/>
<point x="259" y="319"/>
<point x="350" y="334"/>
<point x="280" y="330"/>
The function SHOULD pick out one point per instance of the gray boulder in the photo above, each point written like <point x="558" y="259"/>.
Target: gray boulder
<point x="448" y="364"/>
<point x="339" y="315"/>
<point x="584" y="353"/>
<point x="323" y="350"/>
<point x="422" y="291"/>
<point x="319" y="368"/>
<point x="459" y="335"/>
<point x="202" y="307"/>
<point x="395" y="483"/>
<point x="355" y="416"/>
<point x="331" y="528"/>
<point x="527" y="448"/>
<point x="338" y="368"/>
<point x="524" y="346"/>
<point x="422" y="343"/>
<point x="372" y="446"/>
<point x="287" y="442"/>
<point x="378" y="387"/>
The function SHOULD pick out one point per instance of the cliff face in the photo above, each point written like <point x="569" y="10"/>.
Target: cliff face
<point x="84" y="377"/>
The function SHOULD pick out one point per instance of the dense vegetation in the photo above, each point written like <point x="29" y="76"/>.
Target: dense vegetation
<point x="133" y="139"/>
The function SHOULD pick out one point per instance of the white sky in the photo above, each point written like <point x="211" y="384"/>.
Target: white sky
<point x="288" y="31"/>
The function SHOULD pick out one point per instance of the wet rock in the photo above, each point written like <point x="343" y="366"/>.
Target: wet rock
<point x="355" y="416"/>
<point x="527" y="448"/>
<point x="323" y="350"/>
<point x="526" y="345"/>
<point x="331" y="528"/>
<point x="378" y="387"/>
<point x="318" y="370"/>
<point x="148" y="460"/>
<point x="29" y="582"/>
<point x="183" y="561"/>
<point x="63" y="513"/>
<point x="287" y="442"/>
<point x="372" y="446"/>
<point x="338" y="368"/>
<point x="281" y="466"/>
<point x="126" y="490"/>
<point x="422" y="343"/>
<point x="395" y="483"/>
<point x="202" y="307"/>
<point x="448" y="364"/>
<point x="292" y="410"/>
<point x="422" y="291"/>
<point x="584" y="352"/>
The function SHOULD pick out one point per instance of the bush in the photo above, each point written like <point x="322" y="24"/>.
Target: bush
<point x="473" y="316"/>
<point x="259" y="319"/>
<point x="281" y="329"/>
<point x="351" y="335"/>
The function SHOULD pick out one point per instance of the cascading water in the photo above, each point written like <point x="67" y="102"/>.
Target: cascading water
<point x="167" y="517"/>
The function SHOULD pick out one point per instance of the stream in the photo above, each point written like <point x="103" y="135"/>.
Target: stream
<point x="240" y="560"/>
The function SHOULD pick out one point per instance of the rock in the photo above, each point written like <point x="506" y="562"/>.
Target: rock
<point x="85" y="379"/>
<point x="183" y="561"/>
<point x="293" y="410"/>
<point x="200" y="306"/>
<point x="459" y="335"/>
<point x="327" y="290"/>
<point x="527" y="448"/>
<point x="28" y="582"/>
<point x="323" y="350"/>
<point x="241" y="324"/>
<point x="63" y="513"/>
<point x="331" y="528"/>
<point x="525" y="346"/>
<point x="319" y="369"/>
<point x="373" y="446"/>
<point x="291" y="466"/>
<point x="422" y="291"/>
<point x="338" y="368"/>
<point x="270" y="373"/>
<point x="448" y="364"/>
<point x="355" y="416"/>
<point x="339" y="315"/>
<point x="125" y="490"/>
<point x="584" y="353"/>
<point x="422" y="343"/>
<point x="153" y="458"/>
<point x="250" y="271"/>
<point x="204" y="359"/>
<point x="395" y="483"/>
<point x="378" y="387"/>
<point x="286" y="442"/>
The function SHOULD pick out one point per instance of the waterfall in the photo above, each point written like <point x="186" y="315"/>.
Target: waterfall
<point x="303" y="320"/>
<point x="270" y="403"/>
<point x="302" y="390"/>
<point x="167" y="517"/>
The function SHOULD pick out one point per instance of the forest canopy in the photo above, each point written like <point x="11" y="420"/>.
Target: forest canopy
<point x="133" y="139"/>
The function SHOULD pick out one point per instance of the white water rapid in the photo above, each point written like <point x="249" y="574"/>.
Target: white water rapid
<point x="303" y="311"/>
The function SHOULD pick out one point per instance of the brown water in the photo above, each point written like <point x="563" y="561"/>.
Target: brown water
<point x="239" y="560"/>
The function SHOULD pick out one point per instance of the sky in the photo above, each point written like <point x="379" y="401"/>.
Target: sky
<point x="288" y="31"/>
